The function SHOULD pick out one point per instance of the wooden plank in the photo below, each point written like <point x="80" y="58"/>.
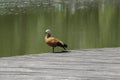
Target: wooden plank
<point x="89" y="64"/>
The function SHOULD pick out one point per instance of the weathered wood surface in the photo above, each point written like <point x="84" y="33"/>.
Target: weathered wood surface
<point x="91" y="64"/>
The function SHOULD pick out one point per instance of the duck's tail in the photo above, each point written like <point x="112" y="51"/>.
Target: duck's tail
<point x="63" y="45"/>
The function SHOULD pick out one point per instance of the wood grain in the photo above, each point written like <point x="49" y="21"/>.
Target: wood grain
<point x="87" y="64"/>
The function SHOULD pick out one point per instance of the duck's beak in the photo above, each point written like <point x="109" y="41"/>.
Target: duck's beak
<point x="45" y="33"/>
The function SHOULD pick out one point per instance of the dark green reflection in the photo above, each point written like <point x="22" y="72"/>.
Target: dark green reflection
<point x="79" y="24"/>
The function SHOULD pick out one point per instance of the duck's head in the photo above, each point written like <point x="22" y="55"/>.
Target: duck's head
<point x="48" y="31"/>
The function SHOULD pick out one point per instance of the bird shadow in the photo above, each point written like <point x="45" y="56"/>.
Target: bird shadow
<point x="62" y="51"/>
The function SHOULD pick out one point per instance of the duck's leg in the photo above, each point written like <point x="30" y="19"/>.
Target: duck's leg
<point x="53" y="49"/>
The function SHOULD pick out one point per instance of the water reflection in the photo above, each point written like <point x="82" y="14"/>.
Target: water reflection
<point x="79" y="23"/>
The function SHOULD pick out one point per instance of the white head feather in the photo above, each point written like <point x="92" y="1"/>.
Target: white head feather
<point x="48" y="31"/>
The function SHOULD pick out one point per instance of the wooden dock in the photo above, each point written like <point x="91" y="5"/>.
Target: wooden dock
<point x="88" y="64"/>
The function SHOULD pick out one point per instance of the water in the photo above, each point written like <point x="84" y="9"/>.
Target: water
<point x="79" y="23"/>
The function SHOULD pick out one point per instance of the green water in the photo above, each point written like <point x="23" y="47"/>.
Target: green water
<point x="79" y="23"/>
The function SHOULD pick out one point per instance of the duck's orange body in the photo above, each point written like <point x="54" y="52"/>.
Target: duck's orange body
<point x="53" y="42"/>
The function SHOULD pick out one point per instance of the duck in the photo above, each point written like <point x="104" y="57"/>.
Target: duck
<point x="53" y="42"/>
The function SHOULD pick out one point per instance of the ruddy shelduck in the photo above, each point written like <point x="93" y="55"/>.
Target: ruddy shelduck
<point x="53" y="42"/>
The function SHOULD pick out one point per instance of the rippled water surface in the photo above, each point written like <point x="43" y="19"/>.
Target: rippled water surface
<point x="79" y="23"/>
